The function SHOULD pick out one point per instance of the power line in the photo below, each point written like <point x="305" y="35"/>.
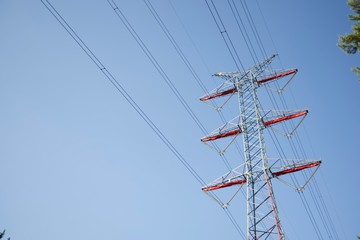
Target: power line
<point x="253" y="27"/>
<point x="321" y="207"/>
<point x="131" y="101"/>
<point x="225" y="35"/>
<point x="155" y="63"/>
<point x="268" y="30"/>
<point x="184" y="59"/>
<point x="120" y="89"/>
<point x="175" y="45"/>
<point x="158" y="67"/>
<point x="243" y="31"/>
<point x="213" y="103"/>
<point x="132" y="31"/>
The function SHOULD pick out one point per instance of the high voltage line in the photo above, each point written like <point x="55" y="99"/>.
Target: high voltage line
<point x="315" y="191"/>
<point x="134" y="105"/>
<point x="189" y="67"/>
<point x="157" y="65"/>
<point x="120" y="89"/>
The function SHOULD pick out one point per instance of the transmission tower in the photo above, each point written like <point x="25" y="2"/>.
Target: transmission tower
<point x="257" y="171"/>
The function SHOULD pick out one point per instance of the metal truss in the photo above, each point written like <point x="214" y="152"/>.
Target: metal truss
<point x="263" y="220"/>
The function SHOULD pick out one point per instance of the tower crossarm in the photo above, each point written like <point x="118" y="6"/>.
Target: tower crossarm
<point x="277" y="75"/>
<point x="227" y="75"/>
<point x="231" y="178"/>
<point x="295" y="168"/>
<point x="224" y="89"/>
<point x="221" y="134"/>
<point x="255" y="70"/>
<point x="218" y="93"/>
<point x="231" y="128"/>
<point x="235" y="78"/>
<point x="224" y="184"/>
<point x="284" y="117"/>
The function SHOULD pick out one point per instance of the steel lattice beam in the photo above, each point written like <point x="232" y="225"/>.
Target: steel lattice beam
<point x="262" y="213"/>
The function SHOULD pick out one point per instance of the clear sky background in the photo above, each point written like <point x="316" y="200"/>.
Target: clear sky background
<point x="77" y="162"/>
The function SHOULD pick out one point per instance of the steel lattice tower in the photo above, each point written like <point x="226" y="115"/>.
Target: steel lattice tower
<point x="262" y="213"/>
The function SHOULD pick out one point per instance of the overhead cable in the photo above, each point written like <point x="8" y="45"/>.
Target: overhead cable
<point x="120" y="89"/>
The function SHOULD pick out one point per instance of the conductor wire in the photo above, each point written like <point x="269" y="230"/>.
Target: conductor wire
<point x="127" y="97"/>
<point x="120" y="89"/>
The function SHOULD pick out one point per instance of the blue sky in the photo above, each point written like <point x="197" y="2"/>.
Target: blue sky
<point x="79" y="163"/>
